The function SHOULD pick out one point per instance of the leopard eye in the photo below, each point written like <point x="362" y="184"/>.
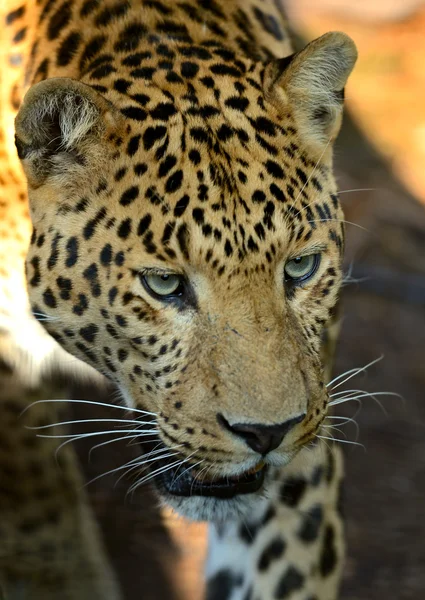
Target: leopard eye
<point x="301" y="268"/>
<point x="164" y="286"/>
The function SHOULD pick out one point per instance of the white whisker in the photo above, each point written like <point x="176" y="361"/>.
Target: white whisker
<point x="78" y="436"/>
<point x="324" y="437"/>
<point x="90" y="421"/>
<point x="67" y="400"/>
<point x="152" y="475"/>
<point x="309" y="178"/>
<point x="357" y="190"/>
<point x="340" y="221"/>
<point x="352" y="373"/>
<point x="131" y="465"/>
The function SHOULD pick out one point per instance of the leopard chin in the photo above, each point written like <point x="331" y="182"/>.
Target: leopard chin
<point x="197" y="495"/>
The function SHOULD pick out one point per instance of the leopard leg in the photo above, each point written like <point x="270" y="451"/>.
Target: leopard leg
<point x="49" y="543"/>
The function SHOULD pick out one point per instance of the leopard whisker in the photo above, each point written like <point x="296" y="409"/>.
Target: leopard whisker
<point x="132" y="440"/>
<point x="351" y="373"/>
<point x="152" y="475"/>
<point x="130" y="465"/>
<point x="89" y="421"/>
<point x="95" y="433"/>
<point x="357" y="190"/>
<point x="140" y="465"/>
<point x="185" y="470"/>
<point x="310" y="177"/>
<point x="340" y="221"/>
<point x="333" y="439"/>
<point x="334" y="428"/>
<point x="106" y="404"/>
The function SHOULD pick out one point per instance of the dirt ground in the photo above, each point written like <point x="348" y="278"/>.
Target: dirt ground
<point x="384" y="314"/>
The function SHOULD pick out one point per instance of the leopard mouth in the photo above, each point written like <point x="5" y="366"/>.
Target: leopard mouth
<point x="191" y="483"/>
<point x="183" y="481"/>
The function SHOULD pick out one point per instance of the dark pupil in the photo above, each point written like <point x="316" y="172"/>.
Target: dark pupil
<point x="298" y="260"/>
<point x="164" y="277"/>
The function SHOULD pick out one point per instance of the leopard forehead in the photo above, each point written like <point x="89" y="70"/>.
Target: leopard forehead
<point x="217" y="175"/>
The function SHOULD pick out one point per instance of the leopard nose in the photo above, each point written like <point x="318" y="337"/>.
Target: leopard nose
<point x="259" y="437"/>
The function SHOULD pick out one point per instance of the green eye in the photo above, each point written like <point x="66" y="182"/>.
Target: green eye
<point x="301" y="267"/>
<point x="163" y="285"/>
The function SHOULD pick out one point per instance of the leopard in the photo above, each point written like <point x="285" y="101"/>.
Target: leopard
<point x="168" y="211"/>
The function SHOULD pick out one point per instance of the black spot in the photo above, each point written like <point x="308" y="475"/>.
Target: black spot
<point x="19" y="35"/>
<point x="124" y="229"/>
<point x="54" y="252"/>
<point x="174" y="182"/>
<point x="237" y="103"/>
<point x="42" y="70"/>
<point x="199" y="134"/>
<point x="195" y="157"/>
<point x="198" y="215"/>
<point x="144" y="224"/>
<point x="269" y="24"/>
<point x="59" y="20"/>
<point x="129" y="195"/>
<point x="328" y="556"/>
<point x="88" y="7"/>
<point x="140" y="169"/>
<point x="183" y="240"/>
<point x="89" y="332"/>
<point x="330" y="467"/>
<point x="258" y="197"/>
<point x="81" y="306"/>
<point x="163" y="111"/>
<point x="277" y="192"/>
<point x="167" y="164"/>
<point x="273" y="551"/>
<point x="130" y="38"/>
<point x="68" y="49"/>
<point x="174" y="31"/>
<point x="221" y="69"/>
<point x="208" y="82"/>
<point x="181" y="205"/>
<point x="91" y="274"/>
<point x="274" y="169"/>
<point x="106" y="255"/>
<point x="290" y="582"/>
<point x="65" y="286"/>
<point x="91" y="49"/>
<point x="36" y="276"/>
<point x="122" y="85"/>
<point x="72" y="252"/>
<point x="317" y="475"/>
<point x="133" y="145"/>
<point x="189" y="69"/>
<point x="310" y="527"/>
<point x="143" y="73"/>
<point x="49" y="298"/>
<point x="152" y="135"/>
<point x="16" y="14"/>
<point x="90" y="226"/>
<point x="134" y="112"/>
<point x="293" y="490"/>
<point x="112" y="13"/>
<point x="221" y="585"/>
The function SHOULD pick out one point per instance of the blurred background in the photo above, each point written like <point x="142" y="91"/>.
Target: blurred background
<point x="380" y="164"/>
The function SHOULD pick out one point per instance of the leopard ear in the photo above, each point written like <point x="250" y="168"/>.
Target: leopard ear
<point x="311" y="84"/>
<point x="61" y="126"/>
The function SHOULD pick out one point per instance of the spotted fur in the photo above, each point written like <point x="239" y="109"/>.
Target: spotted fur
<point x="162" y="137"/>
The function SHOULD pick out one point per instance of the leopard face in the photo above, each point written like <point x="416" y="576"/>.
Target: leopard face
<point x="188" y="243"/>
